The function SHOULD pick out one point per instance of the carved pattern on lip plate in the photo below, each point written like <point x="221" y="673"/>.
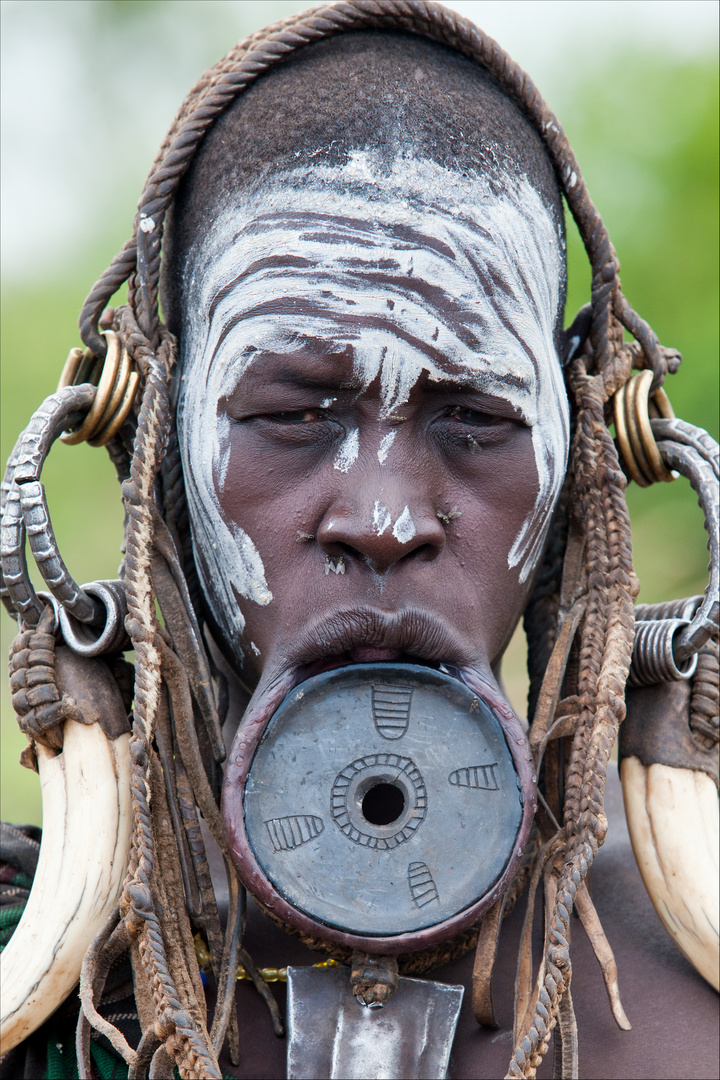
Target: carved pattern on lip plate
<point x="288" y="833"/>
<point x="386" y="768"/>
<point x="391" y="710"/>
<point x="422" y="886"/>
<point x="481" y="777"/>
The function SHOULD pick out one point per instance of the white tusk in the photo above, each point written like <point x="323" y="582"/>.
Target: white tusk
<point x="87" y="822"/>
<point x="673" y="817"/>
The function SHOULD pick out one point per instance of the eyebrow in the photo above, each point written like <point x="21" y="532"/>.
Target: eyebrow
<point x="291" y="376"/>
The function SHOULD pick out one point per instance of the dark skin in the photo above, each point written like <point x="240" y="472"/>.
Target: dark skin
<point x="456" y="452"/>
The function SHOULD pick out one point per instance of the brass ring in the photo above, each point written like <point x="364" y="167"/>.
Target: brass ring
<point x="633" y="406"/>
<point x="81" y="366"/>
<point x="104" y="390"/>
<point x="116" y="396"/>
<point x="71" y="368"/>
<point x="659" y="407"/>
<point x="623" y="438"/>
<point x="119" y="419"/>
<point x="659" y="472"/>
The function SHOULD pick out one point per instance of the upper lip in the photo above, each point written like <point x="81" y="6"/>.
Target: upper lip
<point x="418" y="634"/>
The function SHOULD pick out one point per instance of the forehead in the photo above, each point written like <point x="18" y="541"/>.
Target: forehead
<point x="411" y="270"/>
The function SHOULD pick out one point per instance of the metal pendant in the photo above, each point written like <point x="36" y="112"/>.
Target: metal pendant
<point x="331" y="1035"/>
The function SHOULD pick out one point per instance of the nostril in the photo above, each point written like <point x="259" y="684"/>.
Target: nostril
<point x="423" y="553"/>
<point x="338" y="548"/>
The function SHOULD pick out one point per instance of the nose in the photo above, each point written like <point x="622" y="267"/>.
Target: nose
<point x="399" y="523"/>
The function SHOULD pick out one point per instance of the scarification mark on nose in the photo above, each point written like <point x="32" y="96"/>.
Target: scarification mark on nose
<point x="381" y="518"/>
<point x="348" y="452"/>
<point x="385" y="444"/>
<point x="404" y="528"/>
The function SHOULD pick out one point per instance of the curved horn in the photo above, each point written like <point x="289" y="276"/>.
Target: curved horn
<point x="87" y="820"/>
<point x="673" y="817"/>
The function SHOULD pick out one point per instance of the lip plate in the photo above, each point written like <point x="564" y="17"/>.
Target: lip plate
<point x="259" y="885"/>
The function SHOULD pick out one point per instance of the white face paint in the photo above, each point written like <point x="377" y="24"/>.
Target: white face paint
<point x="404" y="528"/>
<point x="348" y="452"/>
<point x="381" y="518"/>
<point x="415" y="269"/>
<point x="384" y="447"/>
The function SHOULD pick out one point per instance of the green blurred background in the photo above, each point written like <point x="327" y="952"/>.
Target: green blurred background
<point x="89" y="89"/>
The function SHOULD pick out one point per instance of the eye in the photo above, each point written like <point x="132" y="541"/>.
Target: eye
<point x="475" y="417"/>
<point x="298" y="416"/>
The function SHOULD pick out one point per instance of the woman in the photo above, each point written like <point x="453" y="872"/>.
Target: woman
<point x="360" y="458"/>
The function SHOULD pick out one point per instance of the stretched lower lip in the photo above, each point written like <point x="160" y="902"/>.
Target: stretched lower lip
<point x="361" y="654"/>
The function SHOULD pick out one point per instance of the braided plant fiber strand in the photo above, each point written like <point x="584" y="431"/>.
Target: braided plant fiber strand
<point x="593" y="502"/>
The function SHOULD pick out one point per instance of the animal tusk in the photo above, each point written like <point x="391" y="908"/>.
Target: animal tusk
<point x="87" y="821"/>
<point x="673" y="818"/>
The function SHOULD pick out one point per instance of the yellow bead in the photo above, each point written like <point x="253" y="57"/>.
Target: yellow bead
<point x="201" y="952"/>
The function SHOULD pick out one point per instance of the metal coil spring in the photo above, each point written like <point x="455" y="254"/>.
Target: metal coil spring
<point x="653" y="660"/>
<point x="669" y="609"/>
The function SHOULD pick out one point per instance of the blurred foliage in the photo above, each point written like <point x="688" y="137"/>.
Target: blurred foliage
<point x="645" y="132"/>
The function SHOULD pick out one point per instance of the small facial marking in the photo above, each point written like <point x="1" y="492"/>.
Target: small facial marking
<point x="404" y="528"/>
<point x="381" y="518"/>
<point x="385" y="444"/>
<point x="348" y="452"/>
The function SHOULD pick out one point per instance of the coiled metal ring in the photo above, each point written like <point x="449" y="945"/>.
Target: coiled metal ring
<point x="669" y="636"/>
<point x="117" y="383"/>
<point x="634" y="407"/>
<point x="109" y="637"/>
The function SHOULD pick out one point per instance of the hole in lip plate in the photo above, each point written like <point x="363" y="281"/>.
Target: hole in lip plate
<point x="383" y="804"/>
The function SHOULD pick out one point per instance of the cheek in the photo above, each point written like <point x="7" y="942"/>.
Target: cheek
<point x="494" y="509"/>
<point x="500" y="494"/>
<point x="261" y="495"/>
<point x="276" y="504"/>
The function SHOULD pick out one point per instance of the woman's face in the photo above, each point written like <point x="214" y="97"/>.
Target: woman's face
<point x="372" y="419"/>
